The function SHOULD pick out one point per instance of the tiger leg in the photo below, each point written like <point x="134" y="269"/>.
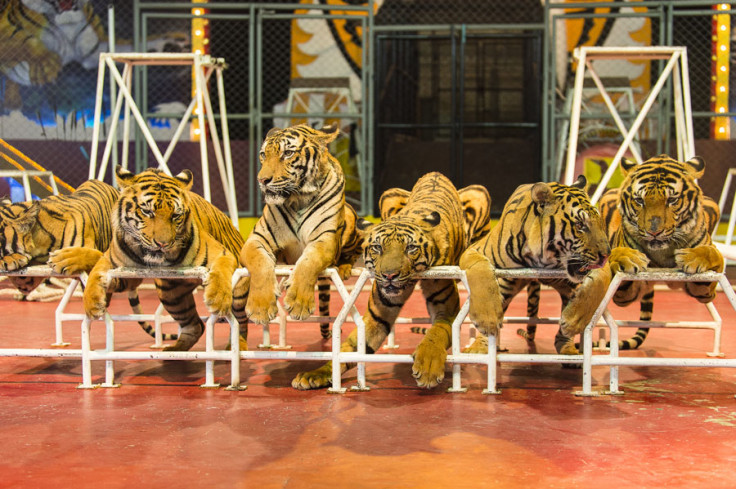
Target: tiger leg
<point x="382" y="313"/>
<point x="95" y="292"/>
<point x="74" y="260"/>
<point x="697" y="260"/>
<point x="240" y="298"/>
<point x="178" y="300"/>
<point x="586" y="298"/>
<point x="299" y="297"/>
<point x="564" y="342"/>
<point x="135" y="306"/>
<point x="508" y="289"/>
<point x="218" y="289"/>
<point x="533" y="291"/>
<point x="323" y="294"/>
<point x="486" y="302"/>
<point x="259" y="259"/>
<point x="645" y="314"/>
<point x="443" y="304"/>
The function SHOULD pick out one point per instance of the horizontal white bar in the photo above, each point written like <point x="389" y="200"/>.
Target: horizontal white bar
<point x="663" y="362"/>
<point x="40" y="352"/>
<point x="160" y="355"/>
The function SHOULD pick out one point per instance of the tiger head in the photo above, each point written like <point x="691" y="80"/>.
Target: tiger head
<point x="399" y="248"/>
<point x="153" y="215"/>
<point x="572" y="232"/>
<point x="293" y="162"/>
<point x="16" y="227"/>
<point x="660" y="200"/>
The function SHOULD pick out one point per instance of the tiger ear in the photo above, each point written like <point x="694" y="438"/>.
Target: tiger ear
<point x="542" y="193"/>
<point x="392" y="201"/>
<point x="328" y="134"/>
<point x="433" y="218"/>
<point x="26" y="219"/>
<point x="580" y="183"/>
<point x="627" y="165"/>
<point x="695" y="166"/>
<point x="124" y="177"/>
<point x="186" y="178"/>
<point x="272" y="131"/>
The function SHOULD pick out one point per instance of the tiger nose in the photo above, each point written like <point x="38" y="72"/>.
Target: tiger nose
<point x="265" y="180"/>
<point x="390" y="276"/>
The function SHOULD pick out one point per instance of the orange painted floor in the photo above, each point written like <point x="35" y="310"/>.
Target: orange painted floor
<point x="672" y="428"/>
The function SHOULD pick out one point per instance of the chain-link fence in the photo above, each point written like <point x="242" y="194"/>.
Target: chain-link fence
<point x="478" y="90"/>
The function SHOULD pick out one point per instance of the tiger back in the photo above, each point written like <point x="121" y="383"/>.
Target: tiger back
<point x="542" y="225"/>
<point x="660" y="218"/>
<point x="158" y="222"/>
<point x="421" y="229"/>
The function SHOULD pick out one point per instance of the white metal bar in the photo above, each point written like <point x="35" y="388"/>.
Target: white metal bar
<point x="198" y="85"/>
<point x="96" y="123"/>
<point x="577" y="97"/>
<point x="226" y="145"/>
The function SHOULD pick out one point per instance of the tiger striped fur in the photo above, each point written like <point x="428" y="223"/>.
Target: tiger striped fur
<point x="420" y="229"/>
<point x="543" y="225"/>
<point x="158" y="222"/>
<point x="659" y="217"/>
<point x="306" y="223"/>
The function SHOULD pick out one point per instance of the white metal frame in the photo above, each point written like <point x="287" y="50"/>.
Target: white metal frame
<point x="24" y="176"/>
<point x="676" y="66"/>
<point x="109" y="354"/>
<point x="204" y="66"/>
<point x="613" y="360"/>
<point x="727" y="249"/>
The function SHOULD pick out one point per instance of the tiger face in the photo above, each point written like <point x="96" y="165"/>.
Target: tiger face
<point x="575" y="230"/>
<point x="293" y="161"/>
<point x="153" y="215"/>
<point x="660" y="201"/>
<point x="16" y="236"/>
<point x="397" y="250"/>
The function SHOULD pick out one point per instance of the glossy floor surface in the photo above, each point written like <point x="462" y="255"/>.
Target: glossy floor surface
<point x="673" y="427"/>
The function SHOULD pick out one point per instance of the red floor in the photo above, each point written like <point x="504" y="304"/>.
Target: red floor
<point x="672" y="428"/>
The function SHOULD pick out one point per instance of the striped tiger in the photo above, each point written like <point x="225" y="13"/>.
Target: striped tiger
<point x="306" y="222"/>
<point x="542" y="225"/>
<point x="158" y="222"/>
<point x="420" y="229"/>
<point x="659" y="217"/>
<point x="34" y="232"/>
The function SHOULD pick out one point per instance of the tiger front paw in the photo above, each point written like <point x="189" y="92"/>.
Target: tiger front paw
<point x="487" y="315"/>
<point x="300" y="305"/>
<point x="345" y="271"/>
<point x="699" y="259"/>
<point x="314" y="379"/>
<point x="261" y="307"/>
<point x="429" y="364"/>
<point x="627" y="260"/>
<point x="14" y="261"/>
<point x="218" y="296"/>
<point x="73" y="261"/>
<point x="582" y="306"/>
<point x="95" y="302"/>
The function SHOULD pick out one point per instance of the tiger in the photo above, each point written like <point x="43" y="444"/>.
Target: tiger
<point x="306" y="223"/>
<point x="34" y="232"/>
<point x="159" y="222"/>
<point x="542" y="225"/>
<point x="659" y="217"/>
<point x="420" y="229"/>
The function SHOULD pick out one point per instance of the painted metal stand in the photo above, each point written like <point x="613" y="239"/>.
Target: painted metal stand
<point x="676" y="66"/>
<point x="614" y="360"/>
<point x="109" y="354"/>
<point x="204" y="66"/>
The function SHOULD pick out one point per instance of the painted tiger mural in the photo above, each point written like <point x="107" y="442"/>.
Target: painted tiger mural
<point x="543" y="225"/>
<point x="660" y="218"/>
<point x="306" y="222"/>
<point x="420" y="229"/>
<point x="158" y="222"/>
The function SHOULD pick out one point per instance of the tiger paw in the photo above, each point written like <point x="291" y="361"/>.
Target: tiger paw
<point x="699" y="259"/>
<point x="73" y="261"/>
<point x="480" y="345"/>
<point x="14" y="261"/>
<point x="261" y="308"/>
<point x="299" y="306"/>
<point x="345" y="271"/>
<point x="429" y="364"/>
<point x="627" y="260"/>
<point x="487" y="315"/>
<point x="582" y="306"/>
<point x="314" y="379"/>
<point x="218" y="295"/>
